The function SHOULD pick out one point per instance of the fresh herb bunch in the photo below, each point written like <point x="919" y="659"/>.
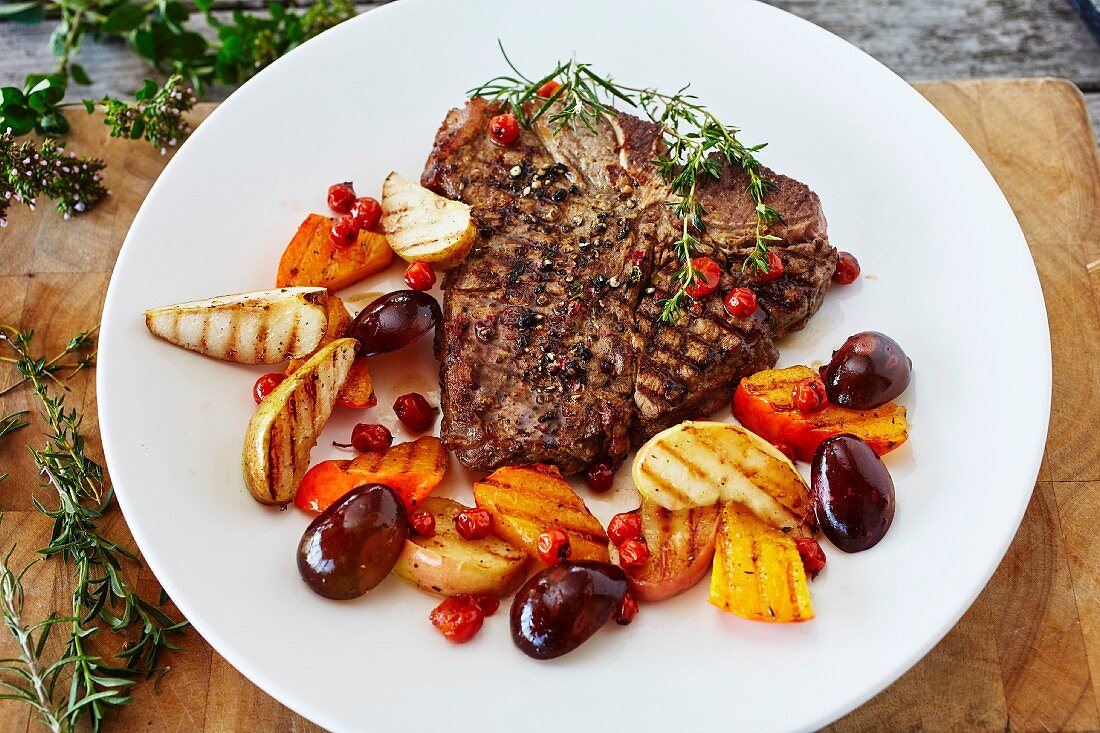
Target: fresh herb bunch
<point x="692" y="133"/>
<point x="161" y="32"/>
<point x="101" y="593"/>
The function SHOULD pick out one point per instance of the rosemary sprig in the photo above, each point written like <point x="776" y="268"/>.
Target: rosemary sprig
<point x="693" y="135"/>
<point x="8" y="425"/>
<point x="101" y="592"/>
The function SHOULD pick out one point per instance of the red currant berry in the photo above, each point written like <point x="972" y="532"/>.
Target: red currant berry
<point x="422" y="523"/>
<point x="708" y="276"/>
<point x="367" y="212"/>
<point x="741" y="302"/>
<point x="809" y="395"/>
<point x="473" y="524"/>
<point x="553" y="546"/>
<point x="265" y="385"/>
<point x="623" y="527"/>
<point x="599" y="477"/>
<point x="344" y="231"/>
<point x="414" y="411"/>
<point x="847" y="269"/>
<point x="633" y="554"/>
<point x="458" y="619"/>
<point x="503" y="129"/>
<point x="813" y="557"/>
<point x="341" y="196"/>
<point x="775" y="269"/>
<point x="420" y="276"/>
<point x="368" y="438"/>
<point x="627" y="610"/>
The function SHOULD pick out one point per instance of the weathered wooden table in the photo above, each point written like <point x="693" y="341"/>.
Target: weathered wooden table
<point x="1026" y="657"/>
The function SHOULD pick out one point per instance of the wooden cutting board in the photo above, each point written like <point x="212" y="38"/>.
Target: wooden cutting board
<point x="1025" y="657"/>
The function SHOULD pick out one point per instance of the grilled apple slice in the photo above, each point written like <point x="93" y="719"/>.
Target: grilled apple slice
<point x="701" y="463"/>
<point x="758" y="573"/>
<point x="421" y="225"/>
<point x="448" y="565"/>
<point x="264" y="327"/>
<point x="681" y="547"/>
<point x="285" y="426"/>
<point x="525" y="501"/>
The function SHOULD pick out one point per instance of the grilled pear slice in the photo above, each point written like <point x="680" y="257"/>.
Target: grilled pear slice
<point x="265" y="327"/>
<point x="525" y="501"/>
<point x="285" y="426"/>
<point x="422" y="225"/>
<point x="448" y="565"/>
<point x="702" y="463"/>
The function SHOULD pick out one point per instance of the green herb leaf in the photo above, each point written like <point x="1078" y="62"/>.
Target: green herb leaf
<point x="79" y="75"/>
<point x="124" y="18"/>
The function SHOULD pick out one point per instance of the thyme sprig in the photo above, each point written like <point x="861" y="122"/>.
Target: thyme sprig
<point x="696" y="141"/>
<point x="101" y="592"/>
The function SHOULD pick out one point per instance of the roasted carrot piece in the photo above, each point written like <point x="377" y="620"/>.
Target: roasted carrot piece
<point x="763" y="404"/>
<point x="312" y="258"/>
<point x="414" y="470"/>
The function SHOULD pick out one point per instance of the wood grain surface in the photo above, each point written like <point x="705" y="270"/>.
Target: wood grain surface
<point x="1025" y="657"/>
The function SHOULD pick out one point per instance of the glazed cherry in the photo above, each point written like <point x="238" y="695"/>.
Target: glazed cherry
<point x="422" y="523"/>
<point x="867" y="371"/>
<point x="394" y="320"/>
<point x="708" y="276"/>
<point x="813" y="557"/>
<point x="627" y="610"/>
<point x="847" y="269"/>
<point x="473" y="524"/>
<point x="548" y="89"/>
<point x="367" y="212"/>
<point x="414" y="411"/>
<point x="265" y="385"/>
<point x="553" y="546"/>
<point x="809" y="395"/>
<point x="503" y="129"/>
<point x="561" y="607"/>
<point x="741" y="302"/>
<point x="775" y="269"/>
<point x="633" y="554"/>
<point x="853" y="493"/>
<point x="420" y="276"/>
<point x="368" y="438"/>
<point x="623" y="527"/>
<point x="458" y="619"/>
<point x="344" y="232"/>
<point x="599" y="477"/>
<point x="341" y="197"/>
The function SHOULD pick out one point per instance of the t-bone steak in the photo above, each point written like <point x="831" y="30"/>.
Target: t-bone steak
<point x="551" y="347"/>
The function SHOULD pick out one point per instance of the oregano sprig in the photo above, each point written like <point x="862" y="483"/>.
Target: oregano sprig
<point x="693" y="136"/>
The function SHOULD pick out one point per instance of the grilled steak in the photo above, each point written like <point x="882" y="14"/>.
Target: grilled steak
<point x="551" y="348"/>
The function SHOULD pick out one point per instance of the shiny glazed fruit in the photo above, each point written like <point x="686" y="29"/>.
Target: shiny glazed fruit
<point x="353" y="545"/>
<point x="394" y="320"/>
<point x="341" y="197"/>
<point x="558" y="609"/>
<point x="853" y="493"/>
<point x="867" y="371"/>
<point x="265" y="385"/>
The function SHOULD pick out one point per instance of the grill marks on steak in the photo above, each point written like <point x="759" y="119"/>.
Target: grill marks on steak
<point x="550" y="351"/>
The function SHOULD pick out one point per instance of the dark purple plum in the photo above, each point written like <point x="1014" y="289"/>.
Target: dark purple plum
<point x="867" y="371"/>
<point x="853" y="493"/>
<point x="559" y="608"/>
<point x="353" y="544"/>
<point x="395" y="320"/>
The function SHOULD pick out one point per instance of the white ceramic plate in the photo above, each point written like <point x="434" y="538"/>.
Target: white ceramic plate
<point x="947" y="273"/>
